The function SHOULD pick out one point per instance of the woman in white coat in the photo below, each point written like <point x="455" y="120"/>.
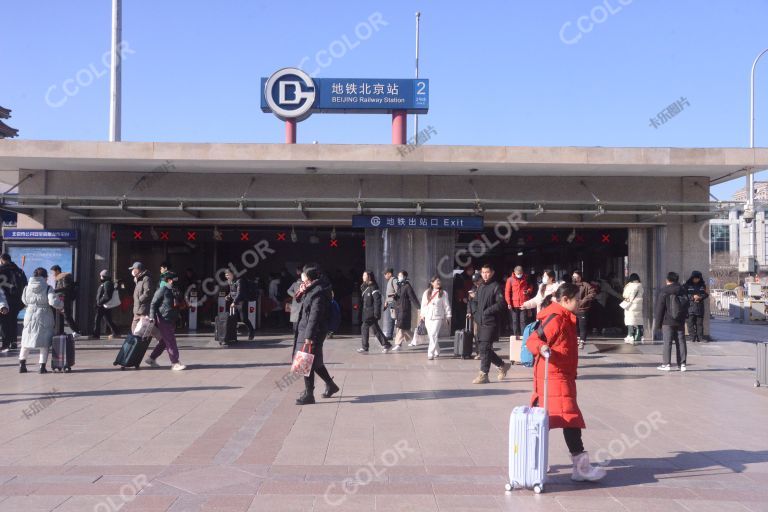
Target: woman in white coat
<point x="435" y="310"/>
<point x="633" y="310"/>
<point x="38" y="318"/>
<point x="549" y="285"/>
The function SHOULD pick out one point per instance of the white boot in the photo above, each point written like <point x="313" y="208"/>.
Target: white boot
<point x="584" y="471"/>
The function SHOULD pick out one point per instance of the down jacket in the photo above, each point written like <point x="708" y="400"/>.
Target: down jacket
<point x="517" y="291"/>
<point x="633" y="293"/>
<point x="563" y="362"/>
<point x="38" y="319"/>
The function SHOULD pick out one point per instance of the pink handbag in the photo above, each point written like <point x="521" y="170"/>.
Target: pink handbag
<point x="302" y="360"/>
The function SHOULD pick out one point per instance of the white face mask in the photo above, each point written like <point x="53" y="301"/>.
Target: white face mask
<point x="518" y="275"/>
<point x="545" y="279"/>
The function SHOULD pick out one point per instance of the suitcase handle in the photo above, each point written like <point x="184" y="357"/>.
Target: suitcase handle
<point x="546" y="377"/>
<point x="468" y="323"/>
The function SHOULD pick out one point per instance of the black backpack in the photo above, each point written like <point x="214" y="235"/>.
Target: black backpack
<point x="16" y="283"/>
<point x="677" y="307"/>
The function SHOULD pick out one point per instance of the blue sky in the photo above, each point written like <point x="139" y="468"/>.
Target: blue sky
<point x="502" y="72"/>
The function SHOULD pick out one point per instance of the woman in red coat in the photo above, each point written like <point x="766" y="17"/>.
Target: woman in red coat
<point x="561" y="342"/>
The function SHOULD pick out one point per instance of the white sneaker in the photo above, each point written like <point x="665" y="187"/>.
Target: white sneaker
<point x="385" y="350"/>
<point x="75" y="336"/>
<point x="5" y="351"/>
<point x="412" y="344"/>
<point x="430" y="358"/>
<point x="178" y="367"/>
<point x="395" y="348"/>
<point x="583" y="471"/>
<point x="151" y="362"/>
<point x="664" y="368"/>
<point x="628" y="339"/>
<point x="682" y="368"/>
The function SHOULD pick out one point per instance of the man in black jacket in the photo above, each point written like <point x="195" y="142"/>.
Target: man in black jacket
<point x="13" y="280"/>
<point x="671" y="310"/>
<point x="491" y="306"/>
<point x="103" y="295"/>
<point x="370" y="304"/>
<point x="697" y="294"/>
<point x="238" y="297"/>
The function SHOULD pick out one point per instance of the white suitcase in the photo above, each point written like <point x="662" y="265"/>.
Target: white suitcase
<point x="529" y="444"/>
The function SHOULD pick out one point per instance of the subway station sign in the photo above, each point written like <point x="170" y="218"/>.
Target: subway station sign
<point x="290" y="93"/>
<point x="56" y="235"/>
<point x="473" y="223"/>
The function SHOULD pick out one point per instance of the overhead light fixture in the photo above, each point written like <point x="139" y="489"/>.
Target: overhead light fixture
<point x="418" y="209"/>
<point x="153" y="233"/>
<point x="359" y="208"/>
<point x="478" y="209"/>
<point x="571" y="236"/>
<point x="520" y="253"/>
<point x="294" y="236"/>
<point x="333" y="233"/>
<point x="600" y="210"/>
<point x="217" y="234"/>
<point x="540" y="210"/>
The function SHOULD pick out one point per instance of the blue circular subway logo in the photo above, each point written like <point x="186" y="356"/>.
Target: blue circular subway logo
<point x="290" y="94"/>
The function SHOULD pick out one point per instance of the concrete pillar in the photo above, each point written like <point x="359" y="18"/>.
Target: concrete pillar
<point x="640" y="262"/>
<point x="93" y="256"/>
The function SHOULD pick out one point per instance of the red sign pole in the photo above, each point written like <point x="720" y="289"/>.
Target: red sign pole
<point x="290" y="131"/>
<point x="399" y="126"/>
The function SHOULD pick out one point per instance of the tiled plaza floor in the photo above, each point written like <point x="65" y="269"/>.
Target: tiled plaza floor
<point x="404" y="434"/>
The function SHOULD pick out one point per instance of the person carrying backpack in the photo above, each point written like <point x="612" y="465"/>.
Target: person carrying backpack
<point x="13" y="281"/>
<point x="239" y="295"/>
<point x="671" y="310"/>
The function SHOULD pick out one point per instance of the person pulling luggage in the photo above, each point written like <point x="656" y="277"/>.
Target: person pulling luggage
<point x="39" y="321"/>
<point x="164" y="311"/>
<point x="561" y="341"/>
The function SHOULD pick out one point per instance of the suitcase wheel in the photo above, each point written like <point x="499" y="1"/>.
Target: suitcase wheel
<point x="508" y="487"/>
<point x="538" y="488"/>
<point x="757" y="383"/>
<point x="122" y="368"/>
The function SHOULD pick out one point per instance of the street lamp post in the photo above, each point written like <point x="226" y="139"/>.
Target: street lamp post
<point x="750" y="173"/>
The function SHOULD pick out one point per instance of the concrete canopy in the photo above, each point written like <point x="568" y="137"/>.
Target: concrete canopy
<point x="717" y="164"/>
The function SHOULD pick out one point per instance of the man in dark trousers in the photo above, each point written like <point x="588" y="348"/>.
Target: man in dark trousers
<point x="12" y="280"/>
<point x="671" y="310"/>
<point x="103" y="295"/>
<point x="370" y="302"/>
<point x="491" y="306"/>
<point x="238" y="298"/>
<point x="65" y="286"/>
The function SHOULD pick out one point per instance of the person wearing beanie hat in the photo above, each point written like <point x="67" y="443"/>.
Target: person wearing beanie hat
<point x="697" y="294"/>
<point x="103" y="296"/>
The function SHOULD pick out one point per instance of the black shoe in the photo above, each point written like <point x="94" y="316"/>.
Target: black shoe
<point x="23" y="366"/>
<point x="251" y="335"/>
<point x="305" y="398"/>
<point x="14" y="346"/>
<point x="330" y="390"/>
<point x="42" y="368"/>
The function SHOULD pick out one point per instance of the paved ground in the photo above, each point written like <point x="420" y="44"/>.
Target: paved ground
<point x="404" y="434"/>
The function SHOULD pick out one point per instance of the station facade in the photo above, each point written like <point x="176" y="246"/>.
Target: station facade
<point x="259" y="208"/>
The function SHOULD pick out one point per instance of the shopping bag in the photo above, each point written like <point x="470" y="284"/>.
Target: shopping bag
<point x="145" y="328"/>
<point x="302" y="360"/>
<point x="421" y="329"/>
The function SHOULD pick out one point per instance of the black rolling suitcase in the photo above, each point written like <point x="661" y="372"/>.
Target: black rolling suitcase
<point x="226" y="328"/>
<point x="132" y="352"/>
<point x="462" y="341"/>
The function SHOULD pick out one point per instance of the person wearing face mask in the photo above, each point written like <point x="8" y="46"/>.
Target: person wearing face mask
<point x="517" y="291"/>
<point x="405" y="299"/>
<point x="314" y="298"/>
<point x="490" y="308"/>
<point x="164" y="310"/>
<point x="561" y="343"/>
<point x="103" y="296"/>
<point x="370" y="300"/>
<point x="142" y="292"/>
<point x="548" y="286"/>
